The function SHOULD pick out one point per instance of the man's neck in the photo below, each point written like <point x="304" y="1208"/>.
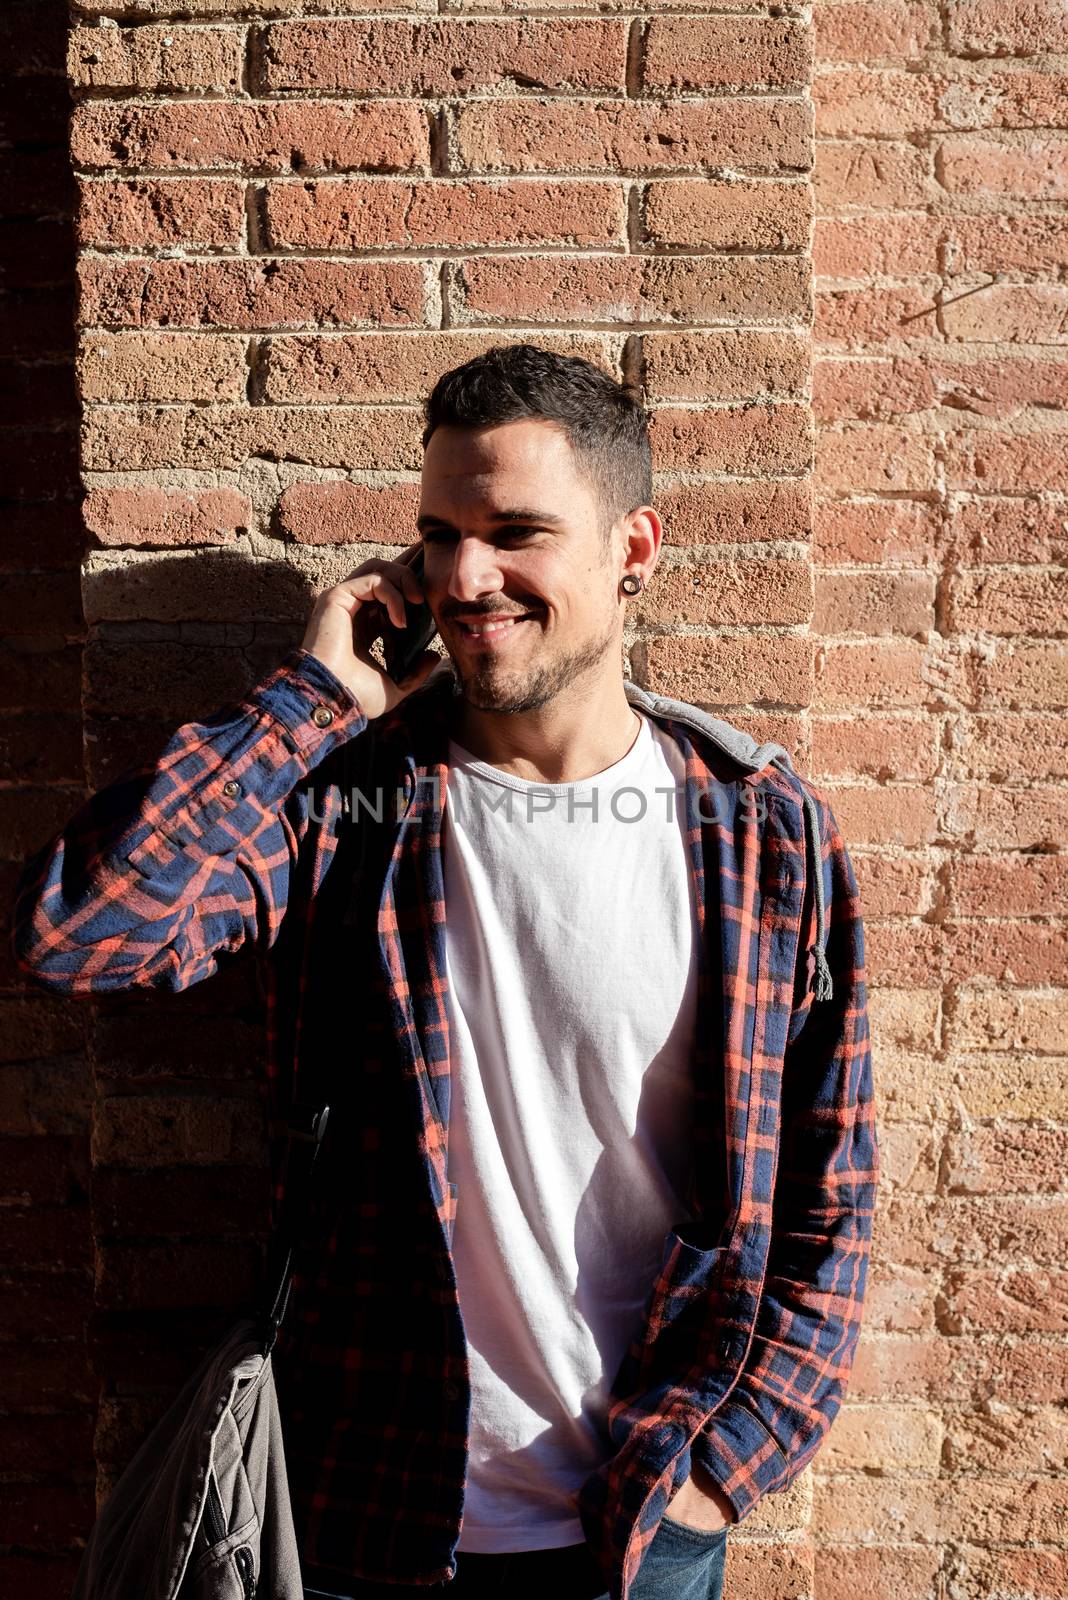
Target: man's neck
<point x="560" y="743"/>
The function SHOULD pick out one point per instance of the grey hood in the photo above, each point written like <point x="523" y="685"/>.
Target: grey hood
<point x="752" y="757"/>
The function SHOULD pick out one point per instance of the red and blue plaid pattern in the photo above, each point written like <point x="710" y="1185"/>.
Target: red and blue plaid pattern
<point x="246" y="835"/>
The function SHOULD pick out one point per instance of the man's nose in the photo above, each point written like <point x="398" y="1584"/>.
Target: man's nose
<point x="475" y="570"/>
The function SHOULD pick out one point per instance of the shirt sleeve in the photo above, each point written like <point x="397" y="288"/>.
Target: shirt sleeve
<point x="189" y="856"/>
<point x="796" y="1370"/>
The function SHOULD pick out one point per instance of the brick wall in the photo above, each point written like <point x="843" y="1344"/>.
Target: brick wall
<point x="47" y="1387"/>
<point x="288" y="219"/>
<point x="939" y="385"/>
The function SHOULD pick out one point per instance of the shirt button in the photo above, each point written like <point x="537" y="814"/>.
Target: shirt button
<point x="231" y="788"/>
<point x="322" y="716"/>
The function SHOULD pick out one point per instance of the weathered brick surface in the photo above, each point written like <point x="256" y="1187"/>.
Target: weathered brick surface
<point x="846" y="312"/>
<point x="46" y="1235"/>
<point x="939" y="390"/>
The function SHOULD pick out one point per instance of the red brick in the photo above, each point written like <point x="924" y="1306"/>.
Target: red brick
<point x="886" y="245"/>
<point x="992" y="243"/>
<point x="873" y="603"/>
<point x="388" y="367"/>
<point x="1022" y="673"/>
<point x="344" y="513"/>
<point x="742" y="363"/>
<point x="1034" y="169"/>
<point x="186" y="1274"/>
<point x="177" y="680"/>
<point x="868" y="532"/>
<point x="1040" y="1573"/>
<point x="731" y="670"/>
<point x="1008" y="746"/>
<point x="902" y="814"/>
<point x="146" y="212"/>
<point x="41" y="1445"/>
<point x="1029" y="1301"/>
<point x="875" y="456"/>
<point x="38" y="672"/>
<point x="44" y="1169"/>
<point x="37" y="325"/>
<point x="191" y="1202"/>
<point x="880" y="1571"/>
<point x="928" y="1510"/>
<point x="988" y="460"/>
<point x="626" y="136"/>
<point x="742" y="441"/>
<point x="39" y="250"/>
<point x="139" y="9"/>
<point x="1000" y="387"/>
<point x="442" y="214"/>
<point x="878" y="674"/>
<point x="1018" y="530"/>
<point x="993" y="28"/>
<point x="758" y="215"/>
<point x="1013" y="1157"/>
<point x="999" y="885"/>
<point x="696" y="290"/>
<point x="252" y="294"/>
<point x="1034" y="818"/>
<point x="1006" y="313"/>
<point x="444" y="57"/>
<point x="903" y="749"/>
<point x="851" y="103"/>
<point x="30" y="606"/>
<point x="162" y="366"/>
<point x="870" y="390"/>
<point x="1021" y="952"/>
<point x="38" y="1098"/>
<point x="45" y="1516"/>
<point x="205" y="60"/>
<point x="375" y="136"/>
<point x="37" y="1372"/>
<point x="37" y="183"/>
<point x="720" y="513"/>
<point x="855" y="319"/>
<point x="726" y="594"/>
<point x="35" y="752"/>
<point x="32" y="38"/>
<point x="984" y="95"/>
<point x="128" y="438"/>
<point x="39" y="1236"/>
<point x="162" y="1130"/>
<point x="696" y="54"/>
<point x="880" y="175"/>
<point x="866" y="31"/>
<point x="175" y="517"/>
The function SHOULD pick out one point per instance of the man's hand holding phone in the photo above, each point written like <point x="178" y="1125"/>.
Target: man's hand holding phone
<point x="348" y="618"/>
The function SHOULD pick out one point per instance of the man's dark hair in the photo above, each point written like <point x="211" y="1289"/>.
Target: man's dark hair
<point x="604" y="421"/>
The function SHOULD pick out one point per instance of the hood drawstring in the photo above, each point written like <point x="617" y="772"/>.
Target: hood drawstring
<point x="824" y="987"/>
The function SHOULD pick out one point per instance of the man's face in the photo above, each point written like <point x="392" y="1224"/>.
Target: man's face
<point x="510" y="527"/>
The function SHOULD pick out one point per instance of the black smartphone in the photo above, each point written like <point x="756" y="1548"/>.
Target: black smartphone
<point x="402" y="647"/>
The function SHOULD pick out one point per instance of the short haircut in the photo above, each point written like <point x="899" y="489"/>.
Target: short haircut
<point x="605" y="421"/>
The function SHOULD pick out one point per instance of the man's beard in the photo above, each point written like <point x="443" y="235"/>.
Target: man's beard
<point x="489" y="686"/>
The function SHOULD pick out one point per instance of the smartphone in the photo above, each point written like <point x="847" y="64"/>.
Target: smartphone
<point x="402" y="647"/>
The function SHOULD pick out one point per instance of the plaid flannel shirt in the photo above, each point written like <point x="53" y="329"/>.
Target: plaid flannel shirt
<point x="248" y="832"/>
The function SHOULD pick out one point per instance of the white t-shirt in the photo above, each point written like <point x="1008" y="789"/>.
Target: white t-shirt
<point x="571" y="961"/>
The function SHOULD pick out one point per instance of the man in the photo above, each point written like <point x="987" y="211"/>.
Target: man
<point x="589" y="1010"/>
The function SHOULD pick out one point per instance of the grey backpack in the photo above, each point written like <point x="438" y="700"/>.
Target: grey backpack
<point x="202" y="1512"/>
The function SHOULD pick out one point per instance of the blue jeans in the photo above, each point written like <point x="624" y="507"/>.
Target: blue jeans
<point x="681" y="1563"/>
